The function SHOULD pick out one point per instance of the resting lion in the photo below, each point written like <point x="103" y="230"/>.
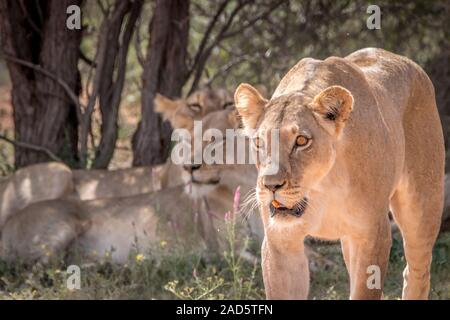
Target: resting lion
<point x="24" y="186"/>
<point x="32" y="184"/>
<point x="95" y="184"/>
<point x="139" y="222"/>
<point x="359" y="136"/>
<point x="119" y="227"/>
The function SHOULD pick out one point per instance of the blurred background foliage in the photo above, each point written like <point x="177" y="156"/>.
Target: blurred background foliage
<point x="256" y="42"/>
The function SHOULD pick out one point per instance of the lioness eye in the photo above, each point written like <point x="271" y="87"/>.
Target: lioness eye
<point x="302" y="141"/>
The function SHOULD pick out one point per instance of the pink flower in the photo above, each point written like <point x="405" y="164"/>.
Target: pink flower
<point x="236" y="200"/>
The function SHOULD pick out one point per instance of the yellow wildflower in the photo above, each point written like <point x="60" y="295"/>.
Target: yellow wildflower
<point x="140" y="257"/>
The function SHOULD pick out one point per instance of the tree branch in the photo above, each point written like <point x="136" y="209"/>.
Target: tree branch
<point x="30" y="146"/>
<point x="206" y="36"/>
<point x="227" y="67"/>
<point x="254" y="20"/>
<point x="87" y="60"/>
<point x="73" y="97"/>
<point x="137" y="43"/>
<point x="200" y="66"/>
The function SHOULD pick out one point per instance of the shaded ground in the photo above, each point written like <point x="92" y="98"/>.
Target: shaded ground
<point x="168" y="274"/>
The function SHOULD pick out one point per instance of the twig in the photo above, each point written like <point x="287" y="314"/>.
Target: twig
<point x="137" y="43"/>
<point x="61" y="82"/>
<point x="30" y="146"/>
<point x="206" y="36"/>
<point x="200" y="65"/>
<point x="227" y="67"/>
<point x="30" y="21"/>
<point x="87" y="60"/>
<point x="251" y="22"/>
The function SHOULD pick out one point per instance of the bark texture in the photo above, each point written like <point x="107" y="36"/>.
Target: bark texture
<point x="36" y="32"/>
<point x="165" y="71"/>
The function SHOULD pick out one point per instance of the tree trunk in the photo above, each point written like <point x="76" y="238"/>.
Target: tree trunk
<point x="35" y="32"/>
<point x="165" y="71"/>
<point x="112" y="83"/>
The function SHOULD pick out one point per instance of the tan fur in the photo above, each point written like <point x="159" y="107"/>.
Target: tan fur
<point x="181" y="112"/>
<point x="41" y="230"/>
<point x="146" y="220"/>
<point x="202" y="181"/>
<point x="382" y="150"/>
<point x="95" y="184"/>
<point x="121" y="224"/>
<point x="117" y="227"/>
<point x="32" y="184"/>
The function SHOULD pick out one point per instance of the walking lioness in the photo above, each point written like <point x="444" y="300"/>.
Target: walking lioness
<point x="357" y="136"/>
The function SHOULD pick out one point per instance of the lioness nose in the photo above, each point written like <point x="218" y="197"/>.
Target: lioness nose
<point x="273" y="184"/>
<point x="191" y="167"/>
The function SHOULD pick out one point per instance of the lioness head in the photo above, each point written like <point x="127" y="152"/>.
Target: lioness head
<point x="181" y="112"/>
<point x="308" y="130"/>
<point x="216" y="114"/>
<point x="212" y="163"/>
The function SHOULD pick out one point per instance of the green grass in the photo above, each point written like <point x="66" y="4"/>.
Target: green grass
<point x="333" y="283"/>
<point x="168" y="273"/>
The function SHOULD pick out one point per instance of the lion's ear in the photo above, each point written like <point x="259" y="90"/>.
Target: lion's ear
<point x="333" y="105"/>
<point x="250" y="105"/>
<point x="165" y="106"/>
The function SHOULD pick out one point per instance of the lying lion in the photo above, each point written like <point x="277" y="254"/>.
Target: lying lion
<point x="120" y="225"/>
<point x="25" y="186"/>
<point x="95" y="184"/>
<point x="32" y="184"/>
<point x="114" y="228"/>
<point x="359" y="136"/>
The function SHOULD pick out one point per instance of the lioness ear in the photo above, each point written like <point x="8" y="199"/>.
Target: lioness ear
<point x="333" y="105"/>
<point x="250" y="105"/>
<point x="165" y="106"/>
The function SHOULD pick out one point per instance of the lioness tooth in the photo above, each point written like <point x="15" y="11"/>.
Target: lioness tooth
<point x="276" y="204"/>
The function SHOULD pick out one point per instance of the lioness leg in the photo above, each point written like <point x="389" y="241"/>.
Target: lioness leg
<point x="418" y="199"/>
<point x="366" y="259"/>
<point x="285" y="273"/>
<point x="419" y="220"/>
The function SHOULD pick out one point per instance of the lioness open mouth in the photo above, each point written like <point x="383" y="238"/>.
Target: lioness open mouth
<point x="297" y="210"/>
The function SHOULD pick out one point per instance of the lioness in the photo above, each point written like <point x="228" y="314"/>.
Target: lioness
<point x="202" y="180"/>
<point x="115" y="227"/>
<point x="34" y="183"/>
<point x="181" y="112"/>
<point x="357" y="136"/>
<point x="122" y="224"/>
<point x="96" y="184"/>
